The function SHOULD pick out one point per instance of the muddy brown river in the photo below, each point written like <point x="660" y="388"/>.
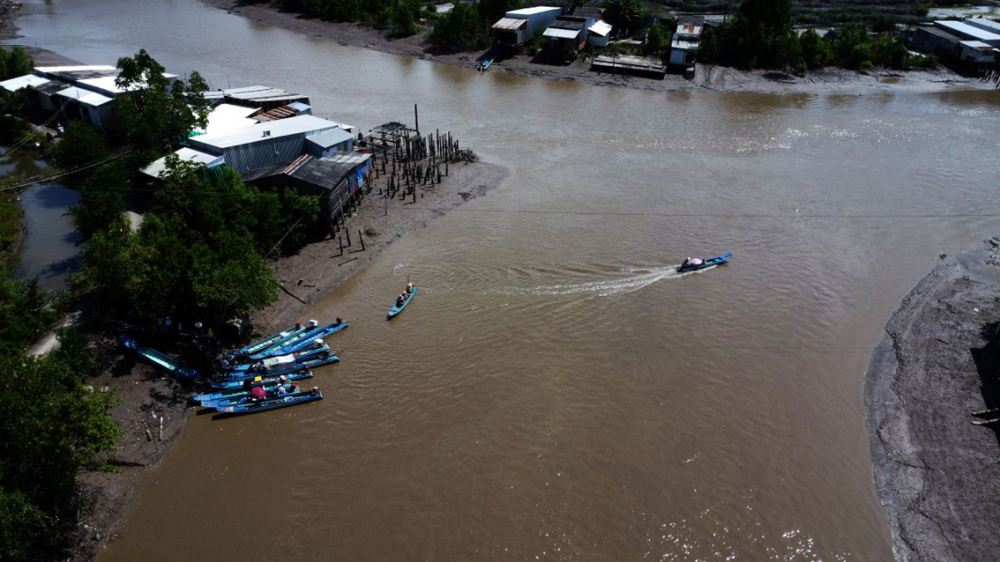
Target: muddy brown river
<point x="555" y="391"/>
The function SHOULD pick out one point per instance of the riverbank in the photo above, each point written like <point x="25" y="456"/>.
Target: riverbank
<point x="320" y="268"/>
<point x="707" y="77"/>
<point x="935" y="472"/>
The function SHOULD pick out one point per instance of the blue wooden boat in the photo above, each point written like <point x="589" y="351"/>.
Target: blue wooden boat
<point x="307" y="339"/>
<point x="233" y="393"/>
<point x="161" y="359"/>
<point x="484" y="64"/>
<point x="397" y="309"/>
<point x="259" y="380"/>
<point x="244" y="398"/>
<point x="273" y="403"/>
<point x="706" y="263"/>
<point x="290" y="336"/>
<point x="320" y="350"/>
<point x="271" y="340"/>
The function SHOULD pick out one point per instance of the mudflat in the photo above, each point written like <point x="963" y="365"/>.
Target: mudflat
<point x="935" y="472"/>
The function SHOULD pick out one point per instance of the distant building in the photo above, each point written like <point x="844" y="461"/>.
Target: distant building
<point x="333" y="179"/>
<point x="599" y="34"/>
<point x="936" y="41"/>
<point x="969" y="32"/>
<point x="977" y="53"/>
<point x="568" y="34"/>
<point x="79" y="92"/>
<point x="517" y="27"/>
<point x="263" y="97"/>
<point x="685" y="43"/>
<point x="985" y="24"/>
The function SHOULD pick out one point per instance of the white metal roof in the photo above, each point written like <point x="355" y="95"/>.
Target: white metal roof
<point x="185" y="154"/>
<point x="55" y="69"/>
<point x="525" y="12"/>
<point x="26" y="81"/>
<point x="601" y="28"/>
<point x="561" y="33"/>
<point x="983" y="23"/>
<point x="228" y="118"/>
<point x="970" y="30"/>
<point x="85" y="97"/>
<point x="282" y="127"/>
<point x="107" y="84"/>
<point x="299" y="106"/>
<point x="978" y="45"/>
<point x="330" y="138"/>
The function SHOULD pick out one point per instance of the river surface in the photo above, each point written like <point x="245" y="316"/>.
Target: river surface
<point x="555" y="391"/>
<point x="49" y="249"/>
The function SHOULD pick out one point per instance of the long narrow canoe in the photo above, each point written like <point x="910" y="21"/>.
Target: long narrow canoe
<point x="277" y="344"/>
<point x="707" y="263"/>
<point x="161" y="359"/>
<point x="296" y="357"/>
<point x="273" y="403"/>
<point x="245" y="399"/>
<point x="271" y="340"/>
<point x="397" y="309"/>
<point x="234" y="393"/>
<point x="259" y="380"/>
<point x="308" y="338"/>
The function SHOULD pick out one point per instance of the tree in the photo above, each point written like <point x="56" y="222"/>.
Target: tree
<point x="461" y="29"/>
<point x="157" y="112"/>
<point x="52" y="425"/>
<point x="816" y="51"/>
<point x="102" y="199"/>
<point x="623" y="14"/>
<point x="80" y="144"/>
<point x="23" y="314"/>
<point x="15" y="62"/>
<point x="656" y="41"/>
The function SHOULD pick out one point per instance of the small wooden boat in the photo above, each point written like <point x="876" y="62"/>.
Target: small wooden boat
<point x="313" y="335"/>
<point x="273" y="403"/>
<point x="272" y="340"/>
<point x="161" y="359"/>
<point x="244" y="398"/>
<point x="259" y="380"/>
<point x="320" y="350"/>
<point x="484" y="64"/>
<point x="397" y="309"/>
<point x="707" y="263"/>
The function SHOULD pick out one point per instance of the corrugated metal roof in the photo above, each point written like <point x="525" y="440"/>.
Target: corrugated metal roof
<point x="937" y="32"/>
<point x="561" y="33"/>
<point x="684" y="45"/>
<point x="284" y="127"/>
<point x="26" y="81"/>
<point x="185" y="154"/>
<point x="970" y="30"/>
<point x="589" y="12"/>
<point x="299" y="106"/>
<point x="569" y="22"/>
<point x="227" y="118"/>
<point x="525" y="12"/>
<point x="689" y="29"/>
<point x="78" y="68"/>
<point x="984" y="23"/>
<point x="511" y="24"/>
<point x="326" y="173"/>
<point x="978" y="45"/>
<point x="601" y="28"/>
<point x="328" y="139"/>
<point x="85" y="97"/>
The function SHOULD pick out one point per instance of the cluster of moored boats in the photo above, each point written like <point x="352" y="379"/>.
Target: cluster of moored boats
<point x="263" y="375"/>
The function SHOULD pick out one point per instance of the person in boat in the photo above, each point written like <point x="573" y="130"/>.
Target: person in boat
<point x="409" y="288"/>
<point x="257" y="394"/>
<point x="340" y="320"/>
<point x="285" y="387"/>
<point x="400" y="299"/>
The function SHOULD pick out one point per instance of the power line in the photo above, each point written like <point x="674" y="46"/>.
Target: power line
<point x="47" y="178"/>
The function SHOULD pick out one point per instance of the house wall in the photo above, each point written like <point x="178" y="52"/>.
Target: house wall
<point x="596" y="40"/>
<point x="264" y="152"/>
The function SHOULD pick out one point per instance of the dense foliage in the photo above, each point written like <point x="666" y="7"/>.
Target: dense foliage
<point x="401" y="17"/>
<point x="467" y="26"/>
<point x="625" y="15"/>
<point x="15" y="62"/>
<point x="760" y="35"/>
<point x="200" y="252"/>
<point x="51" y="423"/>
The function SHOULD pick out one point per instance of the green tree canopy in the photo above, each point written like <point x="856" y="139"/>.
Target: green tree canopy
<point x="461" y="29"/>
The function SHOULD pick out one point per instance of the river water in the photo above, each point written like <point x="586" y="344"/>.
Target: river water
<point x="555" y="391"/>
<point x="49" y="249"/>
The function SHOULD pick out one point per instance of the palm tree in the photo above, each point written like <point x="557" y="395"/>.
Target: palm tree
<point x="623" y="14"/>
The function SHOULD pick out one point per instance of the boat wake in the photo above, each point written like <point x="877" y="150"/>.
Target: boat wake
<point x="608" y="287"/>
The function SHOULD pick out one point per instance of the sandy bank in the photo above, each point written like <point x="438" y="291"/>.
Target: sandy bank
<point x="937" y="474"/>
<point x="706" y="76"/>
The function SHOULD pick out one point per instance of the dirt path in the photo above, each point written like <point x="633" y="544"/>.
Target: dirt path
<point x="935" y="472"/>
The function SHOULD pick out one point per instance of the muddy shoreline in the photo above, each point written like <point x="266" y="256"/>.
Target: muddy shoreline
<point x="707" y="77"/>
<point x="935" y="472"/>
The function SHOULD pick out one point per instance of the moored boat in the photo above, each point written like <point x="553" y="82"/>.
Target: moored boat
<point x="273" y="403"/>
<point x="245" y="399"/>
<point x="686" y="267"/>
<point x="397" y="309"/>
<point x="258" y="380"/>
<point x="321" y="350"/>
<point x="314" y="334"/>
<point x="161" y="359"/>
<point x="269" y="341"/>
